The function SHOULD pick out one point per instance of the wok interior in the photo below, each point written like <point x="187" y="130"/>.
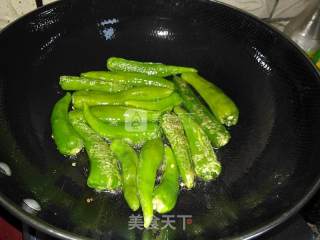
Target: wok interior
<point x="269" y="165"/>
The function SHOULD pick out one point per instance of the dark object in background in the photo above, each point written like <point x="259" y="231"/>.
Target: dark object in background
<point x="39" y="3"/>
<point x="270" y="167"/>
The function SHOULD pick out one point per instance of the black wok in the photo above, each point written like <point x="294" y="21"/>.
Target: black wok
<point x="270" y="168"/>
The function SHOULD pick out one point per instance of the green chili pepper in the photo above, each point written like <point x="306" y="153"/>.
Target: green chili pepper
<point x="129" y="79"/>
<point x="204" y="159"/>
<point x="66" y="138"/>
<point x="174" y="132"/>
<point x="129" y="161"/>
<point x="163" y="104"/>
<point x="121" y="114"/>
<point x="151" y="156"/>
<point x="130" y="133"/>
<point x="104" y="173"/>
<point x="144" y="93"/>
<point x="217" y="133"/>
<point x="81" y="83"/>
<point x="92" y="98"/>
<point x="148" y="68"/>
<point x="166" y="193"/>
<point x="220" y="104"/>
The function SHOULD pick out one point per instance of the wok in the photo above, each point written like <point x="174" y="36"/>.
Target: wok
<point x="270" y="167"/>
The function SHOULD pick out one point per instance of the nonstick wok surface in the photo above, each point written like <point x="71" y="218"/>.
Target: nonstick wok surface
<point x="270" y="167"/>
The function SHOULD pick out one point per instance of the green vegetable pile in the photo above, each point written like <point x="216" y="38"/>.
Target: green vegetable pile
<point x="126" y="157"/>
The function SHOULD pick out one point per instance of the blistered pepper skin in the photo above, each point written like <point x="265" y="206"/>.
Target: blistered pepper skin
<point x="74" y="83"/>
<point x="203" y="157"/>
<point x="173" y="129"/>
<point x="104" y="172"/>
<point x="129" y="79"/>
<point x="148" y="68"/>
<point x="217" y="133"/>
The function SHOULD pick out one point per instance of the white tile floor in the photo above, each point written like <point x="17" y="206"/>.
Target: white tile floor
<point x="12" y="9"/>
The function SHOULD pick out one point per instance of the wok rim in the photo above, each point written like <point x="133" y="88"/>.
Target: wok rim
<point x="39" y="224"/>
